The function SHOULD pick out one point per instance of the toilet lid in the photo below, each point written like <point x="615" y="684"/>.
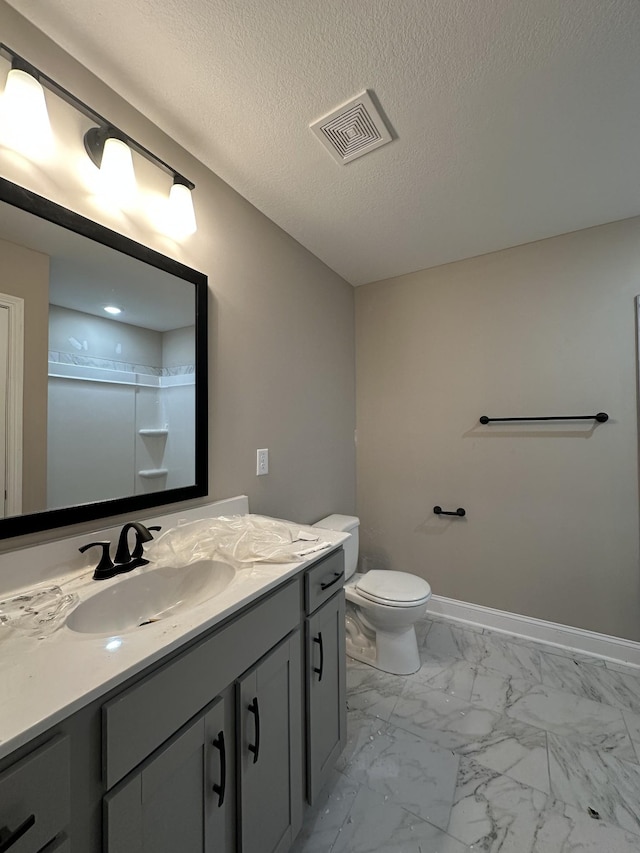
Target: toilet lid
<point x="399" y="588"/>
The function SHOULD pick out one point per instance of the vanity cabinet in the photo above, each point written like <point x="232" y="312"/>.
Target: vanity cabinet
<point x="210" y="750"/>
<point x="325" y="671"/>
<point x="35" y="799"/>
<point x="205" y="754"/>
<point x="182" y="798"/>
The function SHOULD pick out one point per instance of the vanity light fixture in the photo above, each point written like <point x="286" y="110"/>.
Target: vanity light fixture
<point x="180" y="213"/>
<point x="110" y="153"/>
<point x="109" y="147"/>
<point x="24" y="119"/>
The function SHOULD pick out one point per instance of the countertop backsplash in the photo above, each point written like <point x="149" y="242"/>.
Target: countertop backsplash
<point x="45" y="562"/>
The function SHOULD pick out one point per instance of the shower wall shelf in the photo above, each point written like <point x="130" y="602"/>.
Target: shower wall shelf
<point x="163" y="431"/>
<point x="152" y="473"/>
<point x="601" y="417"/>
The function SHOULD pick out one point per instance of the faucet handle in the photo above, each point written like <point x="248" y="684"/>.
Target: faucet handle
<point x="137" y="553"/>
<point x="105" y="568"/>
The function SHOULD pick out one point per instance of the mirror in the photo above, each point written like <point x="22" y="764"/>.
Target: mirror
<point x="101" y="413"/>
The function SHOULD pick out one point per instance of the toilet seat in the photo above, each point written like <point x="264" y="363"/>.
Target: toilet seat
<point x="394" y="589"/>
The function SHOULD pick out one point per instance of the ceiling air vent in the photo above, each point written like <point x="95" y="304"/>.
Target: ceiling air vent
<point x="352" y="130"/>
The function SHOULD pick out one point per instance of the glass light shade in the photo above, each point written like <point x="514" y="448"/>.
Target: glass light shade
<point x="24" y="120"/>
<point x="117" y="178"/>
<point x="180" y="213"/>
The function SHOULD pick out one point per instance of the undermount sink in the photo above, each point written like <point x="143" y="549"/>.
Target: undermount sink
<point x="156" y="594"/>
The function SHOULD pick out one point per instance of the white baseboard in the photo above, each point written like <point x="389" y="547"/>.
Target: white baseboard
<point x="561" y="636"/>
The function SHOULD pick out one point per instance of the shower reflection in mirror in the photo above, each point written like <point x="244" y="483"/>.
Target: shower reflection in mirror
<point x="105" y="404"/>
<point x="120" y="405"/>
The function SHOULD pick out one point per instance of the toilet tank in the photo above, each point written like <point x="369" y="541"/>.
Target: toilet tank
<point x="345" y="524"/>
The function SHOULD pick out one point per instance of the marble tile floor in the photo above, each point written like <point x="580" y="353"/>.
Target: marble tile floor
<point x="496" y="745"/>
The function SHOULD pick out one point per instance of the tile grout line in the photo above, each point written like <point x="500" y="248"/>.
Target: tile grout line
<point x="358" y="786"/>
<point x="546" y="740"/>
<point x="539" y="661"/>
<point x="473" y="684"/>
<point x="631" y="741"/>
<point x="475" y="667"/>
<point x="588" y="749"/>
<point x="503" y="714"/>
<point x="408" y="811"/>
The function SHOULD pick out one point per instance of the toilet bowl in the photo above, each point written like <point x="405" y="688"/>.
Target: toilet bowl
<point x="382" y="608"/>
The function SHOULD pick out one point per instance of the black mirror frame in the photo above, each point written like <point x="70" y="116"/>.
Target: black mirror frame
<point x="19" y="525"/>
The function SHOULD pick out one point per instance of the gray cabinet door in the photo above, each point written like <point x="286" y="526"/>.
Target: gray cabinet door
<point x="169" y="804"/>
<point x="220" y="775"/>
<point x="325" y="691"/>
<point x="270" y="738"/>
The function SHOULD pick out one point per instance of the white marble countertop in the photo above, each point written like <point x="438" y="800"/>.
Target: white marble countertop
<point x="45" y="680"/>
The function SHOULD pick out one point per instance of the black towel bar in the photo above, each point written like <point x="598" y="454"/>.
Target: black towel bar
<point x="439" y="511"/>
<point x="601" y="417"/>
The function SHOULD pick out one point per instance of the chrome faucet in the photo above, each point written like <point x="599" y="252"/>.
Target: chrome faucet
<point x="125" y="560"/>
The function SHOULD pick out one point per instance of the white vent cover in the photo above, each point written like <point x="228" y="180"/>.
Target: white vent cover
<point x="352" y="130"/>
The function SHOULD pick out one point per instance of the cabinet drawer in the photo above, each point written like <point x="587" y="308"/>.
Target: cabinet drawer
<point x="323" y="579"/>
<point x="36" y="789"/>
<point x="142" y="718"/>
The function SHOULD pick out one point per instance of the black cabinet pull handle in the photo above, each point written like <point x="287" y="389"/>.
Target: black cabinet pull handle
<point x="319" y="669"/>
<point x="11" y="839"/>
<point x="255" y="747"/>
<point x="221" y="788"/>
<point x="336" y="578"/>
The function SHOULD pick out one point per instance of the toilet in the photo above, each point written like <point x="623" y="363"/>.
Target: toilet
<point x="382" y="608"/>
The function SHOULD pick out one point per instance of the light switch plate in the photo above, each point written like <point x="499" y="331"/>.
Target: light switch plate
<point x="262" y="462"/>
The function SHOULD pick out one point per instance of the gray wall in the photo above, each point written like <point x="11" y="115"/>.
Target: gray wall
<point x="26" y="274"/>
<point x="546" y="328"/>
<point x="281" y="322"/>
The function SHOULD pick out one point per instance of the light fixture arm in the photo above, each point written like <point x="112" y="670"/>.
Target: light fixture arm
<point x="104" y="127"/>
<point x="20" y="64"/>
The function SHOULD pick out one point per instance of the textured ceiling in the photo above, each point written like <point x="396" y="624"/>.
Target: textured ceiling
<point x="515" y="119"/>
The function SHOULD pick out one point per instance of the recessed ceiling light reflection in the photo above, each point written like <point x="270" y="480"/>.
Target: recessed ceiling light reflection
<point x="113" y="643"/>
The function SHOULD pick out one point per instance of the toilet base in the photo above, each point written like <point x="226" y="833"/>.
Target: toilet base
<point x="394" y="652"/>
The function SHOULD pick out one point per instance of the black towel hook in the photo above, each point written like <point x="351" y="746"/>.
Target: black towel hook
<point x="460" y="512"/>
